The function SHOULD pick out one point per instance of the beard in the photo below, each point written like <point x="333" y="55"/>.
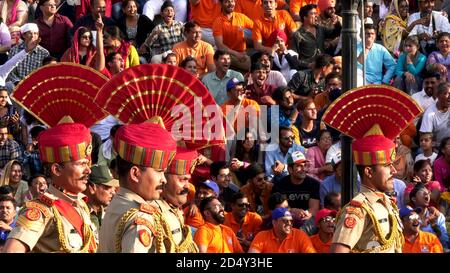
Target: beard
<point x="218" y="218"/>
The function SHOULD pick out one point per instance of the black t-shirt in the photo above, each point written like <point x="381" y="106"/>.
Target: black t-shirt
<point x="298" y="195"/>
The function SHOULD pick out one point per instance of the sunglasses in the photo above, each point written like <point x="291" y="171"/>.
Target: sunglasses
<point x="413" y="217"/>
<point x="242" y="205"/>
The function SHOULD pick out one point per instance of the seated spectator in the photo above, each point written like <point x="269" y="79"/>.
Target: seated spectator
<point x="133" y="25"/>
<point x="316" y="157"/>
<point x="12" y="175"/>
<point x="98" y="9"/>
<point x="428" y="95"/>
<point x="213" y="236"/>
<point x="426" y="146"/>
<point x="438" y="60"/>
<point x="274" y="78"/>
<point x="287" y="114"/>
<point x="169" y="58"/>
<point x="307" y="123"/>
<point x="257" y="189"/>
<point x="113" y="42"/>
<point x="242" y="221"/>
<point x="403" y="161"/>
<point x="83" y="7"/>
<point x="309" y="83"/>
<point x="332" y="201"/>
<point x="416" y="240"/>
<point x="9" y="148"/>
<point x="216" y="81"/>
<point x="165" y="35"/>
<point x="106" y="151"/>
<point x="333" y="81"/>
<point x="7" y="217"/>
<point x="14" y="13"/>
<point x="332" y="183"/>
<point x="282" y="238"/>
<point x="192" y="215"/>
<point x="409" y="67"/>
<point x="247" y="151"/>
<point x="83" y="50"/>
<point x="9" y="116"/>
<point x="5" y="42"/>
<point x="254" y="8"/>
<point x="53" y="28"/>
<point x="423" y="173"/>
<point x="193" y="46"/>
<point x="271" y="20"/>
<point x="432" y="220"/>
<point x="309" y="40"/>
<point x="37" y="185"/>
<point x="152" y="9"/>
<point x="328" y="19"/>
<point x="32" y="158"/>
<point x="325" y="222"/>
<point x="441" y="166"/>
<point x="229" y="34"/>
<point x="190" y="65"/>
<point x="260" y="91"/>
<point x="220" y="173"/>
<point x="284" y="60"/>
<point x="376" y="59"/>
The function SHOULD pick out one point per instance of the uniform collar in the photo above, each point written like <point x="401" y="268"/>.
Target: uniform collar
<point x="372" y="195"/>
<point x="60" y="194"/>
<point x="130" y="195"/>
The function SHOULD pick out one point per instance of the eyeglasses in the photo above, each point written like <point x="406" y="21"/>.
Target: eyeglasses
<point x="242" y="205"/>
<point x="286" y="221"/>
<point x="288" y="138"/>
<point x="328" y="219"/>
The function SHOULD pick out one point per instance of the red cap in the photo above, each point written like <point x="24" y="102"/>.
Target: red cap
<point x="184" y="162"/>
<point x="145" y="144"/>
<point x="324" y="213"/>
<point x="273" y="37"/>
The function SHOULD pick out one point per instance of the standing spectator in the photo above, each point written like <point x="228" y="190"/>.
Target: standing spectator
<point x="409" y="67"/>
<point x="272" y="20"/>
<point x="204" y="12"/>
<point x="7" y="217"/>
<point x="152" y="9"/>
<point x="14" y="12"/>
<point x="309" y="40"/>
<point x="325" y="221"/>
<point x="257" y="190"/>
<point x="376" y="58"/>
<point x="165" y="35"/>
<point x="9" y="148"/>
<point x="30" y="32"/>
<point x="316" y="157"/>
<point x="282" y="238"/>
<point x="260" y="91"/>
<point x="438" y="60"/>
<point x="437" y="117"/>
<point x="37" y="185"/>
<point x="442" y="165"/>
<point x="134" y="26"/>
<point x="53" y="29"/>
<point x="12" y="176"/>
<point x="113" y="42"/>
<point x="242" y="221"/>
<point x="302" y="191"/>
<point x="284" y="60"/>
<point x="216" y="81"/>
<point x="213" y="236"/>
<point x="426" y="145"/>
<point x="417" y="241"/>
<point x="328" y="19"/>
<point x="83" y="50"/>
<point x="98" y="9"/>
<point x="228" y="31"/>
<point x="193" y="46"/>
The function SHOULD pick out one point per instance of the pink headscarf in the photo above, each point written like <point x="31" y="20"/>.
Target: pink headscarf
<point x="273" y="37"/>
<point x="324" y="4"/>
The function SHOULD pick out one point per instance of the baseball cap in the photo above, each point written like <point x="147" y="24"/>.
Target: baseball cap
<point x="212" y="185"/>
<point x="102" y="175"/>
<point x="324" y="213"/>
<point x="281" y="212"/>
<point x="406" y="211"/>
<point x="233" y="82"/>
<point x="296" y="157"/>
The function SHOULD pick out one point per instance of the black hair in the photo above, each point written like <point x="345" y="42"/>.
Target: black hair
<point x="219" y="53"/>
<point x="123" y="167"/>
<point x="415" y="190"/>
<point x="205" y="202"/>
<point x="276" y="199"/>
<point x="186" y="60"/>
<point x="6" y="189"/>
<point x="328" y="199"/>
<point x="253" y="170"/>
<point x="278" y="93"/>
<point x="419" y="164"/>
<point x="216" y="166"/>
<point x="238" y="195"/>
<point x="323" y="60"/>
<point x="166" y="4"/>
<point x="36" y="130"/>
<point x="114" y="129"/>
<point x="37" y="175"/>
<point x="48" y="60"/>
<point x="305" y="10"/>
<point x="256" y="66"/>
<point x="190" y="25"/>
<point x="4" y="198"/>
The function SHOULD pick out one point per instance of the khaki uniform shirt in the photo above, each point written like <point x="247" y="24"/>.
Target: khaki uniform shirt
<point x="174" y="217"/>
<point x="36" y="226"/>
<point x="138" y="231"/>
<point x="355" y="228"/>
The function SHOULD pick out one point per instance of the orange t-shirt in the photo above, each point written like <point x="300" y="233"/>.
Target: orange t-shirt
<point x="253" y="8"/>
<point x="320" y="246"/>
<point x="263" y="26"/>
<point x="425" y="243"/>
<point x="232" y="31"/>
<point x="231" y="117"/>
<point x="217" y="238"/>
<point x="296" y="242"/>
<point x="250" y="227"/>
<point x="193" y="221"/>
<point x="296" y="5"/>
<point x="205" y="12"/>
<point x="202" y="52"/>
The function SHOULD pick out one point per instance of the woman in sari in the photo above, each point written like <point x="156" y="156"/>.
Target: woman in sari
<point x="82" y="50"/>
<point x="12" y="175"/>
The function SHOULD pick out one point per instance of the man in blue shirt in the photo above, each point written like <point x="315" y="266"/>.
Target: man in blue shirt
<point x="7" y="217"/>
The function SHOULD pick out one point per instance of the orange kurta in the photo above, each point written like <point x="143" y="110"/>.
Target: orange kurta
<point x="253" y="8"/>
<point x="202" y="52"/>
<point x="217" y="238"/>
<point x="425" y="243"/>
<point x="264" y="26"/>
<point x="250" y="227"/>
<point x="320" y="246"/>
<point x="205" y="12"/>
<point x="232" y="30"/>
<point x="296" y="242"/>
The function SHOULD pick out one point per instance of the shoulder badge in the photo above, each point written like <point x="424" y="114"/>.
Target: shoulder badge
<point x="33" y="214"/>
<point x="355" y="211"/>
<point x="144" y="237"/>
<point x="47" y="199"/>
<point x="35" y="205"/>
<point x="349" y="222"/>
<point x="147" y="208"/>
<point x="145" y="222"/>
<point x="355" y="203"/>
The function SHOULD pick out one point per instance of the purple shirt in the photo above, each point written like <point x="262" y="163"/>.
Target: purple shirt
<point x="436" y="57"/>
<point x="55" y="38"/>
<point x="442" y="172"/>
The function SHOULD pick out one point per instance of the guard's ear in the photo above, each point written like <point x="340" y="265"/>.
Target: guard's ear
<point x="368" y="171"/>
<point x="134" y="174"/>
<point x="56" y="169"/>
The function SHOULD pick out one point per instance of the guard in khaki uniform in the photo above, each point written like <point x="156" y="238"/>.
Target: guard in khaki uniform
<point x="177" y="235"/>
<point x="58" y="221"/>
<point x="373" y="116"/>
<point x="131" y="224"/>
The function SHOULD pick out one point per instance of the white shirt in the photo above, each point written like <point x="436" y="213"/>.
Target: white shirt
<point x="423" y="100"/>
<point x="436" y="122"/>
<point x="284" y="65"/>
<point x="153" y="7"/>
<point x="441" y="21"/>
<point x="275" y="78"/>
<point x="432" y="158"/>
<point x="104" y="126"/>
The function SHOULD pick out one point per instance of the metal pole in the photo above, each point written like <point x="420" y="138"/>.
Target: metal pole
<point x="349" y="14"/>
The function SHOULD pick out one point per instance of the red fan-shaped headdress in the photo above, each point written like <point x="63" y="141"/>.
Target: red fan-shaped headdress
<point x="373" y="115"/>
<point x="56" y="92"/>
<point x="168" y="94"/>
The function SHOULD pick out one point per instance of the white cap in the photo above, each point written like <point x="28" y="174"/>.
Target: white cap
<point x="29" y="27"/>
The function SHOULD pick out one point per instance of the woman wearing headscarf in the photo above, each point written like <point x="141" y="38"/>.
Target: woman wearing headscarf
<point x="82" y="50"/>
<point x="12" y="175"/>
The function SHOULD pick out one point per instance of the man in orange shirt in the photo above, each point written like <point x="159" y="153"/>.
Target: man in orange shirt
<point x="325" y="221"/>
<point x="195" y="47"/>
<point x="253" y="8"/>
<point x="417" y="241"/>
<point x="192" y="215"/>
<point x="213" y="236"/>
<point x="244" y="223"/>
<point x="282" y="238"/>
<point x="205" y="12"/>
<point x="229" y="34"/>
<point x="271" y="20"/>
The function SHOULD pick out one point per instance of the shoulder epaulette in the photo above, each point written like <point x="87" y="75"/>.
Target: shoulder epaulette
<point x="145" y="222"/>
<point x="47" y="199"/>
<point x="355" y="203"/>
<point x="147" y="208"/>
<point x="36" y="205"/>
